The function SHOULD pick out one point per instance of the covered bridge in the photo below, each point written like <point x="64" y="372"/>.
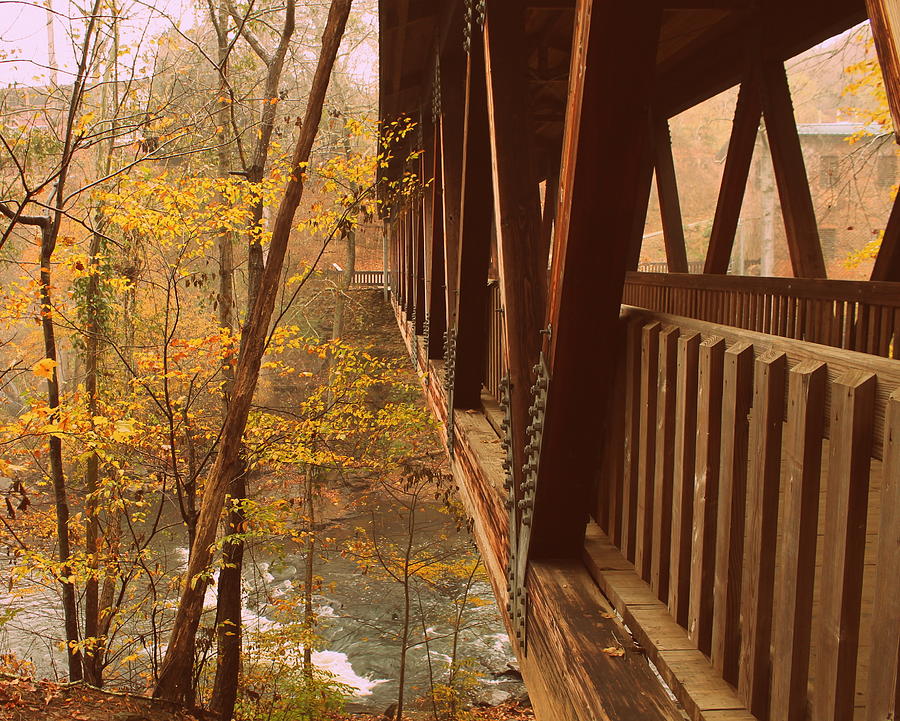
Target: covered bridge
<point x="701" y="471"/>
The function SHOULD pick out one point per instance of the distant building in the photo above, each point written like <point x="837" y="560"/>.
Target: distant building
<point x="850" y="182"/>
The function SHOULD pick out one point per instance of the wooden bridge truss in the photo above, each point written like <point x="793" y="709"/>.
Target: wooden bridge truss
<point x="702" y="471"/>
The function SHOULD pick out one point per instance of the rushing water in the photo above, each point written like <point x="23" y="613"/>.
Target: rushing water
<point x="359" y="615"/>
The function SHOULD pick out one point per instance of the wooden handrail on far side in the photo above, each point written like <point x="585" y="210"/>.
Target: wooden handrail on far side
<point x="854" y="315"/>
<point x="368" y="278"/>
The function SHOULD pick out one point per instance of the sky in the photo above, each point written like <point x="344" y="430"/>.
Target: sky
<point x="24" y="37"/>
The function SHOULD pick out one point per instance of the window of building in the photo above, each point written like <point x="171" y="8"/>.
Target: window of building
<point x="887" y="170"/>
<point x="828" y="238"/>
<point x="828" y="171"/>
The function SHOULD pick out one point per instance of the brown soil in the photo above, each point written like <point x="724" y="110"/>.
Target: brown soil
<point x="24" y="699"/>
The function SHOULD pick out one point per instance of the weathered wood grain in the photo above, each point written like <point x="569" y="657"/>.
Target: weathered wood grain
<point x="683" y="480"/>
<point x="706" y="492"/>
<point x="846" y="501"/>
<point x="737" y="393"/>
<point x="792" y="618"/>
<point x="758" y="581"/>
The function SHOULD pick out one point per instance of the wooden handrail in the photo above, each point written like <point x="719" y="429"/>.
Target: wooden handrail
<point x="368" y="277"/>
<point x="854" y="315"/>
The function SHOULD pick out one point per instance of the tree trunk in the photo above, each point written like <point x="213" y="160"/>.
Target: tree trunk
<point x="93" y="661"/>
<point x="229" y="631"/>
<point x="175" y="672"/>
<point x="57" y="476"/>
<point x="309" y="618"/>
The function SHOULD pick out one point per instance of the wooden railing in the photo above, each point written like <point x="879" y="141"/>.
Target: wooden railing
<point x="860" y="316"/>
<point x="368" y="278"/>
<point x="495" y="356"/>
<point x="742" y="471"/>
<point x="695" y="266"/>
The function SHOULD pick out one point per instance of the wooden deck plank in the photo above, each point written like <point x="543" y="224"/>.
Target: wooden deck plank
<point x="686" y="671"/>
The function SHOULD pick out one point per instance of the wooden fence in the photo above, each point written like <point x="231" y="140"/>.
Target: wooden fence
<point x="693" y="267"/>
<point x="368" y="278"/>
<point x="744" y="476"/>
<point x="862" y="316"/>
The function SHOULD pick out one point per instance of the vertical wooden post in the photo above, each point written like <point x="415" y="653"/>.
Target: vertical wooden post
<point x="683" y="481"/>
<point x="666" y="425"/>
<point x="883" y="700"/>
<point x="632" y="376"/>
<point x="474" y="240"/>
<point x="758" y="581"/>
<point x="846" y="505"/>
<point x="419" y="280"/>
<point x="426" y="173"/>
<point x="437" y="305"/>
<point x="522" y="260"/>
<point x="647" y="447"/>
<point x="793" y="613"/>
<point x="599" y="186"/>
<point x="706" y="492"/>
<point x="737" y="394"/>
<point x="744" y="130"/>
<point x="453" y="96"/>
<point x="669" y="205"/>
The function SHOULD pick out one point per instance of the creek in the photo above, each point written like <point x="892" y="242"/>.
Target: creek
<point x="359" y="614"/>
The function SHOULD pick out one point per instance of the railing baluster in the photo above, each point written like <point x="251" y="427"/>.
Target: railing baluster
<point x="665" y="463"/>
<point x="647" y="448"/>
<point x="758" y="579"/>
<point x="683" y="480"/>
<point x="883" y="700"/>
<point x="737" y="393"/>
<point x="846" y="505"/>
<point x="792" y="621"/>
<point x="706" y="492"/>
<point x="632" y="430"/>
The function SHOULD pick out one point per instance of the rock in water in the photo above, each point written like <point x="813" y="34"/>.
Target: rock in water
<point x="492" y="697"/>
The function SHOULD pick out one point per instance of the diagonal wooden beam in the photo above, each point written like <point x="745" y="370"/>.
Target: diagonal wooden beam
<point x="476" y="221"/>
<point x="790" y="173"/>
<point x="669" y="205"/>
<point x="517" y="210"/>
<point x="635" y="238"/>
<point x="744" y="130"/>
<point x="885" y="20"/>
<point x="600" y="181"/>
<point x="887" y="263"/>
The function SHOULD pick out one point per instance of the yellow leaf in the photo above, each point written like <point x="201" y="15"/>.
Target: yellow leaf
<point x="123" y="430"/>
<point x="44" y="368"/>
<point x="614" y="651"/>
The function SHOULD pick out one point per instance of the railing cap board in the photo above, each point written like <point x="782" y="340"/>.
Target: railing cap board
<point x="839" y="362"/>
<point x="874" y="292"/>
